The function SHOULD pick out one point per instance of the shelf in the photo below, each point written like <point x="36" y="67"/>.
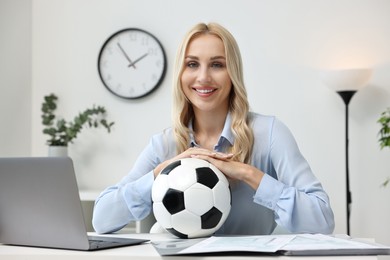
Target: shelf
<point x="89" y="195"/>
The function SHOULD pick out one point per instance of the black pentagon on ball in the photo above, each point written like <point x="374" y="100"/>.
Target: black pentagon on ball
<point x="206" y="176"/>
<point x="174" y="201"/>
<point x="177" y="233"/>
<point x="211" y="218"/>
<point x="170" y="167"/>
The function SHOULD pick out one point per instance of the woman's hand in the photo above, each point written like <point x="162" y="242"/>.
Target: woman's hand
<point x="232" y="169"/>
<point x="191" y="152"/>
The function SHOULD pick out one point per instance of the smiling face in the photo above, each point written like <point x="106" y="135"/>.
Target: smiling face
<point x="205" y="79"/>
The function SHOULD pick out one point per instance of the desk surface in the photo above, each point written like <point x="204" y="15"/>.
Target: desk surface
<point x="140" y="252"/>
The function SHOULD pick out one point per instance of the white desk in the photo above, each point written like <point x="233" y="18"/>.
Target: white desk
<point x="139" y="252"/>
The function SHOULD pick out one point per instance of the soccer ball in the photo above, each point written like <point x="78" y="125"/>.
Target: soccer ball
<point x="191" y="198"/>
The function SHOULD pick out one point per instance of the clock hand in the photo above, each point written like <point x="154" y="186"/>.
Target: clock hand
<point x="137" y="60"/>
<point x="127" y="57"/>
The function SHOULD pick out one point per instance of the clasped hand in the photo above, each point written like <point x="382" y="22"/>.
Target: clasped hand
<point x="232" y="169"/>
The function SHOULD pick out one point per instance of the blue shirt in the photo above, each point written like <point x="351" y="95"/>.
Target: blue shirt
<point x="289" y="194"/>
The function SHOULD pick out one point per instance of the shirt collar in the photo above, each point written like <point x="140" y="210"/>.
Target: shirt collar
<point x="226" y="132"/>
<point x="227" y="129"/>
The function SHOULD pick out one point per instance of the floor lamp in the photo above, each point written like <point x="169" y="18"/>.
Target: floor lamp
<point x="346" y="83"/>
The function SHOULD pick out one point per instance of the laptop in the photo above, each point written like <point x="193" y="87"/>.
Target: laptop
<point x="40" y="206"/>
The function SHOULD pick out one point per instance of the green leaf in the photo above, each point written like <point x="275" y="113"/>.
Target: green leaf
<point x="386" y="182"/>
<point x="384" y="132"/>
<point x="62" y="132"/>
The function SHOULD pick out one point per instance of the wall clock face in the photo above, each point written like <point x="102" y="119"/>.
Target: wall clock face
<point x="132" y="63"/>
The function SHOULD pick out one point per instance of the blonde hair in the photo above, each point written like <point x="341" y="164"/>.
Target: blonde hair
<point x="238" y="105"/>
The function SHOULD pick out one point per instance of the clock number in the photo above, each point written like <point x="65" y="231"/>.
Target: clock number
<point x="152" y="51"/>
<point x="109" y="50"/>
<point x="108" y="77"/>
<point x="159" y="63"/>
<point x="133" y="36"/>
<point x="145" y="41"/>
<point x="118" y="88"/>
<point x="104" y="63"/>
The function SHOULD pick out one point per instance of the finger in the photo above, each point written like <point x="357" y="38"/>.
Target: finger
<point x="221" y="156"/>
<point x="201" y="156"/>
<point x="212" y="160"/>
<point x="224" y="155"/>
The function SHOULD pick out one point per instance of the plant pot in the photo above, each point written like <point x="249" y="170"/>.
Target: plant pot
<point x="58" y="151"/>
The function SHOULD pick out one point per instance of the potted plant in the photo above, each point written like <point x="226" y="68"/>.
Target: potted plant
<point x="62" y="132"/>
<point x="384" y="133"/>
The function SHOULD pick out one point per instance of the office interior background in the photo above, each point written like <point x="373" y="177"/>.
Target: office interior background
<point x="52" y="46"/>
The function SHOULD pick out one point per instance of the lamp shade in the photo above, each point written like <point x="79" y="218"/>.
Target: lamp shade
<point x="346" y="79"/>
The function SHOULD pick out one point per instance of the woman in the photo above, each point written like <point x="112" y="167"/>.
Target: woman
<point x="271" y="182"/>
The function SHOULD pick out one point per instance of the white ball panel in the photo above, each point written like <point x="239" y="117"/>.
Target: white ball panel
<point x="194" y="163"/>
<point x="198" y="199"/>
<point x="186" y="222"/>
<point x="161" y="214"/>
<point x="160" y="187"/>
<point x="181" y="178"/>
<point x="222" y="197"/>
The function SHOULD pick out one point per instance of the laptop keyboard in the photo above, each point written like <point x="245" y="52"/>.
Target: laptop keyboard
<point x="96" y="243"/>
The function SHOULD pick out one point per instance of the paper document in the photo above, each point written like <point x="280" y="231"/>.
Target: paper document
<point x="302" y="244"/>
<point x="318" y="244"/>
<point x="266" y="244"/>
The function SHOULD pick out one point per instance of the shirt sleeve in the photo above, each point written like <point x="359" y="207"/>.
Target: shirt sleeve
<point x="295" y="195"/>
<point x="130" y="199"/>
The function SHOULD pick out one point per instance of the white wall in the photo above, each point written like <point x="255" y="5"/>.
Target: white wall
<point x="283" y="43"/>
<point x="15" y="78"/>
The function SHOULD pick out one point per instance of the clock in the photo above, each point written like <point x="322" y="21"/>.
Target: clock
<point x="132" y="63"/>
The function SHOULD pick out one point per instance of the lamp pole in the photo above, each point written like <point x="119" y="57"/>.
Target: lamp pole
<point x="346" y="83"/>
<point x="347" y="96"/>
